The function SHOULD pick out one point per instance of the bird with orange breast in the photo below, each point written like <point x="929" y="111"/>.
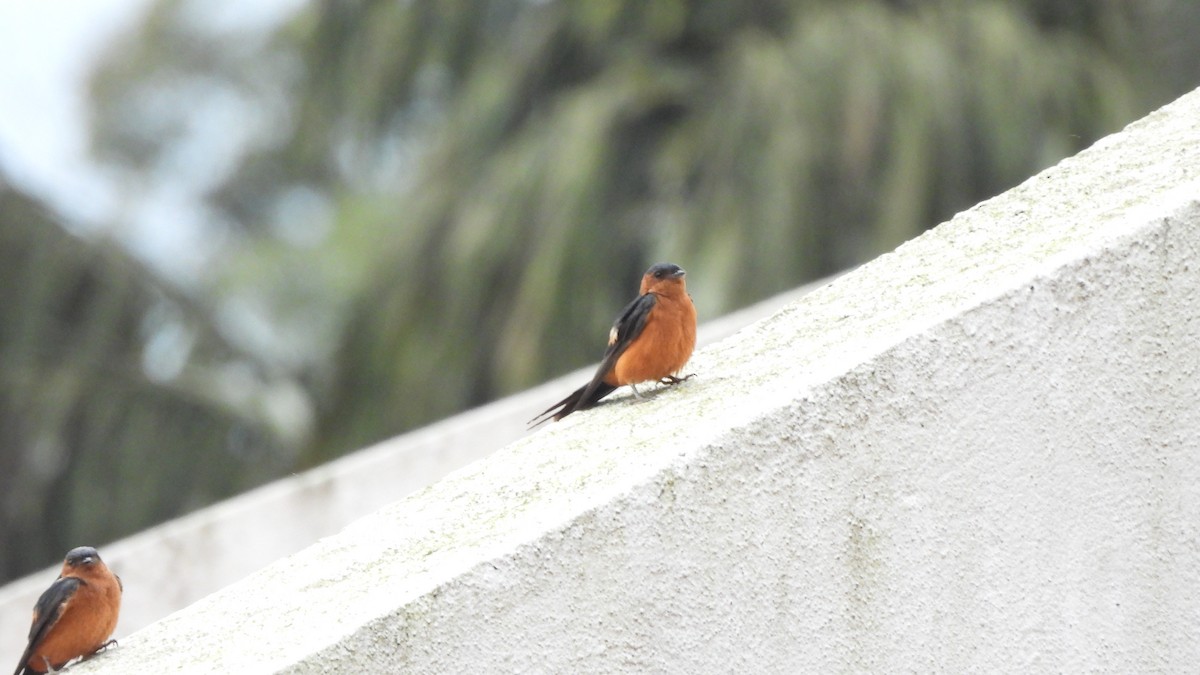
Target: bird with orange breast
<point x="75" y="616"/>
<point x="650" y="341"/>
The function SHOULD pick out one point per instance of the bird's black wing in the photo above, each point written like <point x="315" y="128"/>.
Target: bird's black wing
<point x="625" y="330"/>
<point x="628" y="326"/>
<point x="47" y="612"/>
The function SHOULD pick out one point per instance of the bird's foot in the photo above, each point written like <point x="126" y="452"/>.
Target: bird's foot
<point x="102" y="648"/>
<point x="105" y="646"/>
<point x="671" y="380"/>
<point x="636" y="393"/>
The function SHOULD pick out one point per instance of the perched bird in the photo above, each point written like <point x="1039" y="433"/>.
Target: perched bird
<point x="651" y="340"/>
<point x="75" y="616"/>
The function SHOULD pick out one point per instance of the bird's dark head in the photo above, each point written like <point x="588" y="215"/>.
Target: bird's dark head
<point x="665" y="271"/>
<point x="82" y="556"/>
<point x="661" y="277"/>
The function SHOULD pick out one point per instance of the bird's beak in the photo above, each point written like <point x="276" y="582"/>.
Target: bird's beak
<point x="679" y="274"/>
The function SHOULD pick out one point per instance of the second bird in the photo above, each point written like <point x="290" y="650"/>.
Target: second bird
<point x="651" y="340"/>
<point x="74" y="617"/>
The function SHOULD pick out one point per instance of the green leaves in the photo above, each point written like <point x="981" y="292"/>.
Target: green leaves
<point x="760" y="148"/>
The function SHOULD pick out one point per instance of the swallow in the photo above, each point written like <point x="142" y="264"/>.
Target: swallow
<point x="75" y="616"/>
<point x="651" y="340"/>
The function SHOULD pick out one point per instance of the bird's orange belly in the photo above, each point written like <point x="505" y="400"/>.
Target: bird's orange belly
<point x="79" y="632"/>
<point x="661" y="350"/>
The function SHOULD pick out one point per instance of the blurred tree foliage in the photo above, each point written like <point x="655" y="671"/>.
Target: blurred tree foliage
<point x="424" y="205"/>
<point x="102" y="435"/>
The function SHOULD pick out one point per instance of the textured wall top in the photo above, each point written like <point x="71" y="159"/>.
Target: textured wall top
<point x="174" y="564"/>
<point x="977" y="451"/>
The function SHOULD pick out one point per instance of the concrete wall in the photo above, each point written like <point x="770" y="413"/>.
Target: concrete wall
<point x="175" y="564"/>
<point x="976" y="453"/>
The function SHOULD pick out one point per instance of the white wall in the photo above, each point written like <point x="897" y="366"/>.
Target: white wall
<point x="978" y="452"/>
<point x="170" y="566"/>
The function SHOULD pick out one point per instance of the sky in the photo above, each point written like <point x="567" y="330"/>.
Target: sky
<point x="48" y="50"/>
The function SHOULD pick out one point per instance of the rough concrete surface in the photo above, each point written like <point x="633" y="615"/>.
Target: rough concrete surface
<point x="172" y="565"/>
<point x="976" y="453"/>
